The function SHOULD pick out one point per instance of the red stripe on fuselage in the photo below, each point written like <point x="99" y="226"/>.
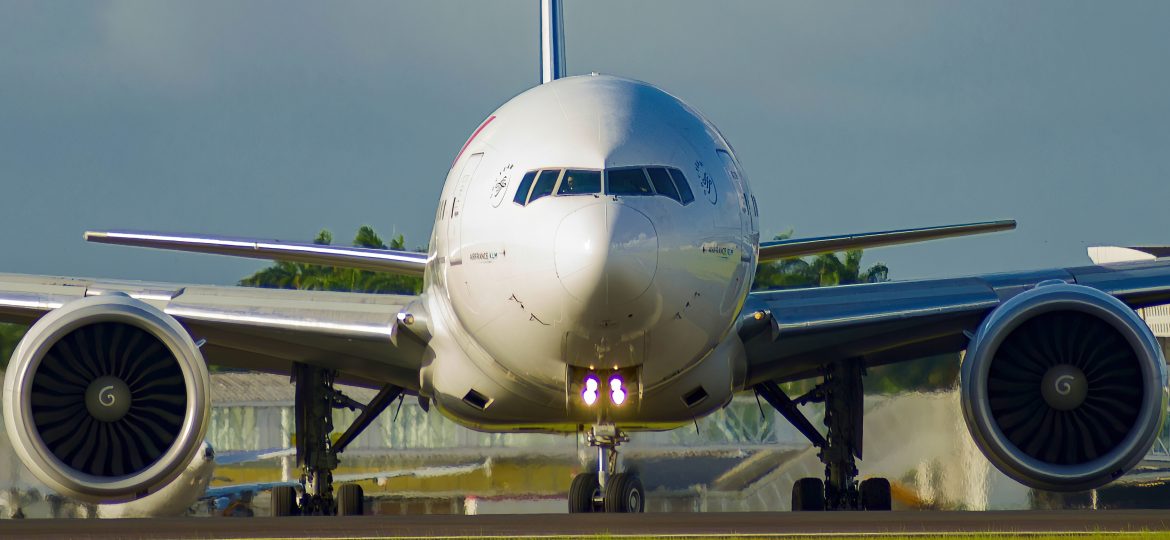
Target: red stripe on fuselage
<point x="473" y="136"/>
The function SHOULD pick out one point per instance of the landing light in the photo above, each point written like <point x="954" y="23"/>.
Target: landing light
<point x="590" y="392"/>
<point x="616" y="393"/>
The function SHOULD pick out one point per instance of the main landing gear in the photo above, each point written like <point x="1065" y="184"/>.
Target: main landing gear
<point x="317" y="452"/>
<point x="841" y="392"/>
<point x="606" y="490"/>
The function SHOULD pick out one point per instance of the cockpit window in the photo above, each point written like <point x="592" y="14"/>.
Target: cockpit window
<point x="523" y="189"/>
<point x="662" y="183"/>
<point x="578" y="182"/>
<point x="684" y="189"/>
<point x="545" y="183"/>
<point x="638" y="181"/>
<point x="627" y="182"/>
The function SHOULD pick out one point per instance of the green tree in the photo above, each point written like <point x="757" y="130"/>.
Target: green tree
<point x="286" y="275"/>
<point x="10" y="335"/>
<point x="822" y="270"/>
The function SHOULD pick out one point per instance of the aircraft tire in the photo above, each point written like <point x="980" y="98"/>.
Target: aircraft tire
<point x="284" y="501"/>
<point x="624" y="494"/>
<point x="581" y="493"/>
<point x="350" y="500"/>
<point x="875" y="494"/>
<point x="808" y="495"/>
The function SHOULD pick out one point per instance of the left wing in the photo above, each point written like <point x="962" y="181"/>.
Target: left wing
<point x="359" y="335"/>
<point x="799" y="247"/>
<point x="789" y="334"/>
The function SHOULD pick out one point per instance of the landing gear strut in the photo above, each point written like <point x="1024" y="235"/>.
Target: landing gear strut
<point x="842" y="393"/>
<point x="317" y="452"/>
<point x="606" y="490"/>
<point x="313" y="413"/>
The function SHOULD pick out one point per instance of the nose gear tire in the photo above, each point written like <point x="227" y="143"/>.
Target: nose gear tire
<point x="624" y="493"/>
<point x="582" y="492"/>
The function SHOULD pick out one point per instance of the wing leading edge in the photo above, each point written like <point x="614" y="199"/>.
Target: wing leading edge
<point x="799" y="247"/>
<point x="379" y="260"/>
<point x="790" y="334"/>
<point x="362" y="336"/>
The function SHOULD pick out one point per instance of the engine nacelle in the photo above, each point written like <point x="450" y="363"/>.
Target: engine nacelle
<point x="1064" y="387"/>
<point x="106" y="399"/>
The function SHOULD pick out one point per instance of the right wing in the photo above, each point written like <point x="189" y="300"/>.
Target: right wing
<point x="363" y="336"/>
<point x="791" y="334"/>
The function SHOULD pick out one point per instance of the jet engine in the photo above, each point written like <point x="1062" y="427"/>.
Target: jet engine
<point x="106" y="399"/>
<point x="1064" y="387"/>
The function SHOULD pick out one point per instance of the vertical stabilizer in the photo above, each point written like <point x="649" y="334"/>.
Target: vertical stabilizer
<point x="552" y="41"/>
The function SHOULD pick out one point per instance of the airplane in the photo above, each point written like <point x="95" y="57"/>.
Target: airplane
<point x="173" y="499"/>
<point x="193" y="485"/>
<point x="588" y="272"/>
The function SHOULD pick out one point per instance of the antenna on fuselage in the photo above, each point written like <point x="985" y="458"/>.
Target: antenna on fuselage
<point x="552" y="41"/>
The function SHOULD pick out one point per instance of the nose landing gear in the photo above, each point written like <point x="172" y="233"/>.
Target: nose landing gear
<point x="607" y="490"/>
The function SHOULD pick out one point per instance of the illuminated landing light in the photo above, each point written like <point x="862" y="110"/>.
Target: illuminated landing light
<point x="590" y="392"/>
<point x="616" y="393"/>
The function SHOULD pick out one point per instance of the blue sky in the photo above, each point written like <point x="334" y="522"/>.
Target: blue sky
<point x="275" y="119"/>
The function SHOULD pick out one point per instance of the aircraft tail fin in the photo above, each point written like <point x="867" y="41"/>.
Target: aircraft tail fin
<point x="552" y="41"/>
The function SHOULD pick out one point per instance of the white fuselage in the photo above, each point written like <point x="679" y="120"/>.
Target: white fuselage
<point x="601" y="276"/>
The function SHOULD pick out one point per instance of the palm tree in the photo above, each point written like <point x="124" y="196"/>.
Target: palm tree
<point x="822" y="270"/>
<point x="286" y="275"/>
<point x="831" y="270"/>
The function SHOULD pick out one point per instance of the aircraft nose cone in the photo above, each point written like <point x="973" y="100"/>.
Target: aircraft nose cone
<point x="606" y="252"/>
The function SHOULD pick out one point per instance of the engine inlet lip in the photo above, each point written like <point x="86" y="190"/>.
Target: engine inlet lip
<point x="977" y="413"/>
<point x="37" y="343"/>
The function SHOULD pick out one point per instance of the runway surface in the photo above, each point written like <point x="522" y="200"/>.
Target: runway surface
<point x="778" y="523"/>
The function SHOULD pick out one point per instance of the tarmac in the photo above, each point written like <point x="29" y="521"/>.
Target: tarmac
<point x="611" y="525"/>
